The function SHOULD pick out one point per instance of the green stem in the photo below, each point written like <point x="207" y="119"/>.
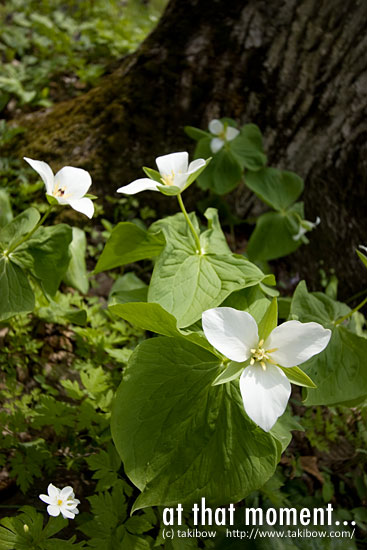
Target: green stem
<point x="29" y="235"/>
<point x="192" y="228"/>
<point x="351" y="312"/>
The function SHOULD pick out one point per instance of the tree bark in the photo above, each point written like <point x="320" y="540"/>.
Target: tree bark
<point x="296" y="68"/>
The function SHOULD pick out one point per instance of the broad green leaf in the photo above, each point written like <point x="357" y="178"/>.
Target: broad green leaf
<point x="185" y="283"/>
<point x="223" y="173"/>
<point x="277" y="188"/>
<point x="269" y="320"/>
<point x="19" y="227"/>
<point x="271" y="238"/>
<point x="46" y="255"/>
<point x="316" y="306"/>
<point x="229" y="373"/>
<point x="15" y="291"/>
<point x="76" y="275"/>
<point x="297" y="376"/>
<point x="340" y="371"/>
<point x="196" y="133"/>
<point x="249" y="299"/>
<point x="6" y="213"/>
<point x="152" y="317"/>
<point x="128" y="288"/>
<point x="247" y="148"/>
<point x="129" y="243"/>
<point x="174" y="431"/>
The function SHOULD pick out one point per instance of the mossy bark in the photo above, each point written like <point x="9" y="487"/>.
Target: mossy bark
<point x="297" y="68"/>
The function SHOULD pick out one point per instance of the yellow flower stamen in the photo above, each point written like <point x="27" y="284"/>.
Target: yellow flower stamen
<point x="261" y="355"/>
<point x="168" y="179"/>
<point x="59" y="502"/>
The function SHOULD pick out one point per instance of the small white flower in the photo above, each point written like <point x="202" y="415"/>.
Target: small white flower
<point x="223" y="132"/>
<point x="264" y="387"/>
<point x="174" y="169"/>
<point x="61" y="501"/>
<point x="68" y="186"/>
<point x="304" y="227"/>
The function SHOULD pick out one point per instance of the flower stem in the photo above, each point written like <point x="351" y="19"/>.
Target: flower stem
<point x="189" y="223"/>
<point x="351" y="312"/>
<point x="29" y="235"/>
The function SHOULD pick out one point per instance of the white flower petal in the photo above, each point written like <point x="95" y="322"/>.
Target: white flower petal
<point x="195" y="165"/>
<point x="231" y="332"/>
<point x="180" y="180"/>
<point x="75" y="181"/>
<point x="53" y="491"/>
<point x="53" y="510"/>
<point x="44" y="170"/>
<point x="265" y="394"/>
<point x="216" y="127"/>
<point x="296" y="342"/>
<point x="174" y="163"/>
<point x="85" y="206"/>
<point x="143" y="184"/>
<point x="231" y="133"/>
<point x="216" y="144"/>
<point x="67" y="513"/>
<point x="47" y="499"/>
<point x="66" y="492"/>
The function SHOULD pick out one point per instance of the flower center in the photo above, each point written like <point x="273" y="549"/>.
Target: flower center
<point x="261" y="355"/>
<point x="168" y="179"/>
<point x="59" y="502"/>
<point x="59" y="192"/>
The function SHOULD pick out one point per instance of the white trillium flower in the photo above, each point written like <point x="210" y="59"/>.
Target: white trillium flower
<point x="264" y="387"/>
<point x="68" y="186"/>
<point x="223" y="133"/>
<point x="61" y="501"/>
<point x="174" y="169"/>
<point x="306" y="226"/>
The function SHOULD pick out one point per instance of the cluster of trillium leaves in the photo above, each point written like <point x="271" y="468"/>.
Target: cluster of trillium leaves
<point x="278" y="232"/>
<point x="179" y="418"/>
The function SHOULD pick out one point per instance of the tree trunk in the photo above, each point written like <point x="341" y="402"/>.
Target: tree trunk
<point x="296" y="68"/>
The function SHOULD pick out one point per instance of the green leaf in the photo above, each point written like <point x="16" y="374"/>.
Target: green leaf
<point x="247" y="148"/>
<point x="282" y="429"/>
<point x="15" y="291"/>
<point x="340" y="371"/>
<point x="153" y="317"/>
<point x="223" y="173"/>
<point x="251" y="300"/>
<point x="271" y="238"/>
<point x="230" y="372"/>
<point x="269" y="320"/>
<point x="277" y="188"/>
<point x="51" y="200"/>
<point x="129" y="243"/>
<point x="76" y="275"/>
<point x="362" y="257"/>
<point x="19" y="227"/>
<point x="169" y="190"/>
<point x="196" y="133"/>
<point x="174" y="431"/>
<point x="153" y="174"/>
<point x="6" y="213"/>
<point x="297" y="376"/>
<point x="46" y="255"/>
<point x="128" y="288"/>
